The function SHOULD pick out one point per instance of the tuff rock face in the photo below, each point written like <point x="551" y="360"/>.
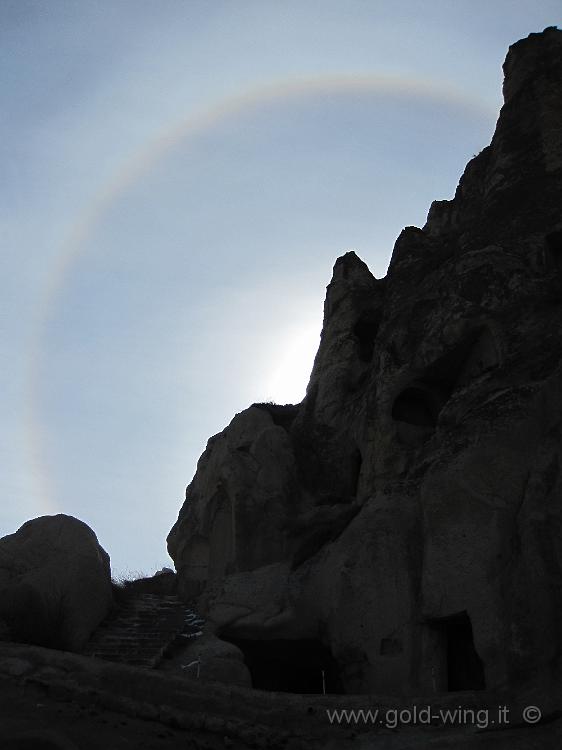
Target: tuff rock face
<point x="55" y="582"/>
<point x="407" y="515"/>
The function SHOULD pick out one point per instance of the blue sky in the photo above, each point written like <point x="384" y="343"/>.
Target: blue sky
<point x="179" y="178"/>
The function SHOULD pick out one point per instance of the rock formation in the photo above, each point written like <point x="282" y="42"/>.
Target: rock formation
<point x="406" y="517"/>
<point x="55" y="582"/>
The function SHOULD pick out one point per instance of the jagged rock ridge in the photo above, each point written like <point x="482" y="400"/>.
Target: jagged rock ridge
<point x="407" y="515"/>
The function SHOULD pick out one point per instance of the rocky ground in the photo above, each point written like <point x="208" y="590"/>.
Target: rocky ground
<point x="54" y="700"/>
<point x="36" y="720"/>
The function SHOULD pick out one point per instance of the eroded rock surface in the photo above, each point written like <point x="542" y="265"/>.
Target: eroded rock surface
<point x="55" y="582"/>
<point x="408" y="513"/>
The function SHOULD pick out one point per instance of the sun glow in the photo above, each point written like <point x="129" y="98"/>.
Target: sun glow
<point x="293" y="363"/>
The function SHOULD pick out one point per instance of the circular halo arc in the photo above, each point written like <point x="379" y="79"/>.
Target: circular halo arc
<point x="148" y="157"/>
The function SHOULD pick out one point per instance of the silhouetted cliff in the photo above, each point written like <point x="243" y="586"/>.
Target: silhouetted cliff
<point x="406" y="517"/>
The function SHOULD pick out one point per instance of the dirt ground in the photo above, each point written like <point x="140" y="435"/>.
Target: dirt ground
<point x="34" y="721"/>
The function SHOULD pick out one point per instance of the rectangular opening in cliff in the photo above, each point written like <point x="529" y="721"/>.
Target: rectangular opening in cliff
<point x="554" y="250"/>
<point x="457" y="664"/>
<point x="290" y="666"/>
<point x="365" y="331"/>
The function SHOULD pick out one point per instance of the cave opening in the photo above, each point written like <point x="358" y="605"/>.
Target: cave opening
<point x="554" y="249"/>
<point x="421" y="403"/>
<point x="356" y="461"/>
<point x="416" y="407"/>
<point x="365" y="331"/>
<point x="290" y="666"/>
<point x="464" y="669"/>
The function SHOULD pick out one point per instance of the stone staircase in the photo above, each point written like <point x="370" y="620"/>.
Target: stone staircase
<point x="142" y="629"/>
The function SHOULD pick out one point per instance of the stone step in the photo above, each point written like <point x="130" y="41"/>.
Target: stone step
<point x="141" y="652"/>
<point x="142" y="629"/>
<point x="112" y="635"/>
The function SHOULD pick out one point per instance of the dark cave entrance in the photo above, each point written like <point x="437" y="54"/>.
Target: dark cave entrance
<point x="554" y="250"/>
<point x="290" y="666"/>
<point x="420" y="404"/>
<point x="356" y="462"/>
<point x="365" y="331"/>
<point x="415" y="406"/>
<point x="461" y="668"/>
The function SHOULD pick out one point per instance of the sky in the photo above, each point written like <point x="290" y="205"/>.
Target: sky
<point x="178" y="179"/>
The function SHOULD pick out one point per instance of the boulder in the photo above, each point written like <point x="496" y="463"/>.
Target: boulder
<point x="210" y="659"/>
<point x="55" y="582"/>
<point x="407" y="515"/>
